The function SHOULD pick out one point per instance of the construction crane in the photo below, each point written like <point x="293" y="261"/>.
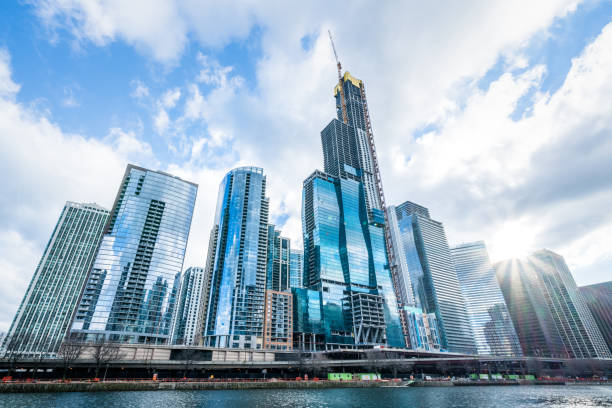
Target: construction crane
<point x="342" y="100"/>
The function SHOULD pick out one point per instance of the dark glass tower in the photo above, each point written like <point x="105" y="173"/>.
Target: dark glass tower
<point x="598" y="298"/>
<point x="549" y="313"/>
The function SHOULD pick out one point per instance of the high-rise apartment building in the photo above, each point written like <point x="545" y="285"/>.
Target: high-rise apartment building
<point x="598" y="298"/>
<point x="489" y="317"/>
<point x="277" y="274"/>
<point x="132" y="287"/>
<point x="189" y="307"/>
<point x="278" y="320"/>
<point x="207" y="282"/>
<point x="427" y="277"/>
<point x="345" y="259"/>
<point x="43" y="318"/>
<point x="549" y="313"/>
<point x="296" y="268"/>
<point x="235" y="314"/>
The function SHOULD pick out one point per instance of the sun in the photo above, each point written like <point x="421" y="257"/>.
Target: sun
<point x="513" y="240"/>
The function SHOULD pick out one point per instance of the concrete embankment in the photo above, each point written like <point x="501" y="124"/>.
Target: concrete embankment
<point x="164" y="386"/>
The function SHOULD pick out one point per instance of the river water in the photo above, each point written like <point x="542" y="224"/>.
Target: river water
<point x="456" y="397"/>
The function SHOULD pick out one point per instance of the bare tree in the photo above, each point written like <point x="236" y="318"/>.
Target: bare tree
<point x="69" y="351"/>
<point x="104" y="352"/>
<point x="14" y="349"/>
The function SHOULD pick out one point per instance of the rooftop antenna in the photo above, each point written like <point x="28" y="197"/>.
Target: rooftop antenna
<point x="341" y="88"/>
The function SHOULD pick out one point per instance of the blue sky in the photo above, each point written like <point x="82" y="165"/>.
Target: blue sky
<point x="495" y="116"/>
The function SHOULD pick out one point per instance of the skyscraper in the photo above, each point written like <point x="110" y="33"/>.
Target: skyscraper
<point x="189" y="307"/>
<point x="43" y="318"/>
<point x="427" y="276"/>
<point x="296" y="268"/>
<point x="489" y="317"/>
<point x="238" y="277"/>
<point x="278" y="261"/>
<point x="131" y="290"/>
<point x="549" y="313"/>
<point x="346" y="150"/>
<point x="598" y="298"/>
<point x="530" y="315"/>
<point x="345" y="259"/>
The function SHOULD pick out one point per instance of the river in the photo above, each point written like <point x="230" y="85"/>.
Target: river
<point x="434" y="397"/>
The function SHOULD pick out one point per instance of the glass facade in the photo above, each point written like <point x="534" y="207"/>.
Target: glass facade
<point x="422" y="328"/>
<point x="132" y="287"/>
<point x="189" y="307"/>
<point x="296" y="268"/>
<point x="599" y="300"/>
<point x="489" y="317"/>
<point x="565" y="325"/>
<point x="425" y="257"/>
<point x="277" y="274"/>
<point x="43" y="318"/>
<point x="531" y="317"/>
<point x="345" y="259"/>
<point x="346" y="150"/>
<point x="238" y="276"/>
<point x="308" y="326"/>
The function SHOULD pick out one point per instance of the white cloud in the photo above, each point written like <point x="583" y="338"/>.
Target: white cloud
<point x="161" y="121"/>
<point x="170" y="98"/>
<point x="44" y="167"/>
<point x="69" y="101"/>
<point x="153" y="26"/>
<point x="140" y="90"/>
<point x="522" y="185"/>
<point x="482" y="174"/>
<point x="8" y="88"/>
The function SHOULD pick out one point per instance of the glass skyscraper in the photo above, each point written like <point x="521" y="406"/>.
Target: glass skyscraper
<point x="489" y="317"/>
<point x="345" y="259"/>
<point x="238" y="275"/>
<point x="598" y="298"/>
<point x="346" y="151"/>
<point x="428" y="280"/>
<point x="296" y="268"/>
<point x="132" y="287"/>
<point x="278" y="261"/>
<point x="43" y="318"/>
<point x="549" y="313"/>
<point x="189" y="307"/>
